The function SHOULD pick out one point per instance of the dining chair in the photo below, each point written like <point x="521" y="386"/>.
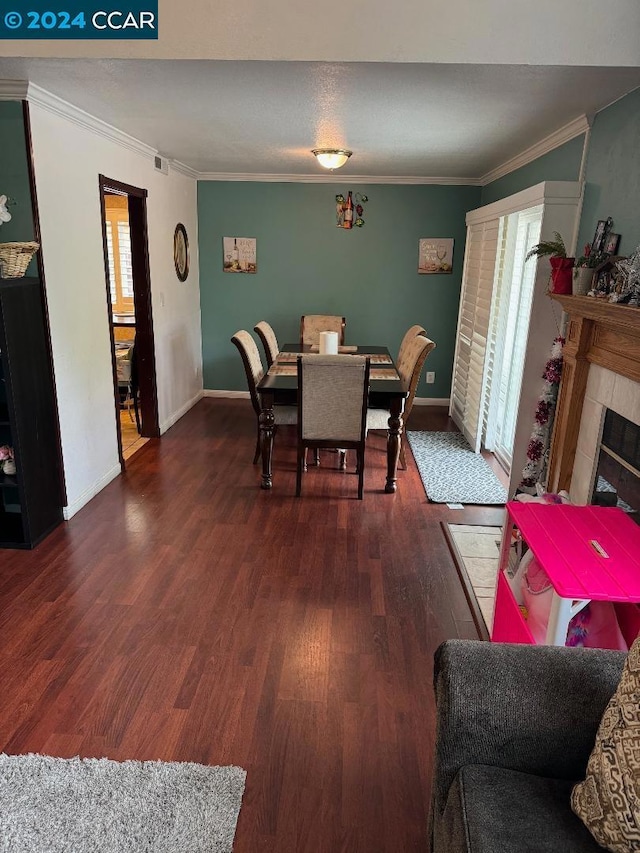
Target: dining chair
<point x="128" y="385"/>
<point x="255" y="371"/>
<point x="332" y="407"/>
<point x="410" y="334"/>
<point x="312" y="324"/>
<point x="410" y="362"/>
<point x="269" y="341"/>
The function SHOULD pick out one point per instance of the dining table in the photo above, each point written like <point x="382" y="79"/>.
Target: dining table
<point x="279" y="386"/>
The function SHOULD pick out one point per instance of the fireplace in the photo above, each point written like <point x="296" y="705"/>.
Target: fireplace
<point x="601" y="372"/>
<point x="617" y="476"/>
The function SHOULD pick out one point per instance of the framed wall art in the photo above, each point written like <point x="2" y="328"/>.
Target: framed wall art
<point x="435" y="255"/>
<point x="239" y="254"/>
<point x="181" y="251"/>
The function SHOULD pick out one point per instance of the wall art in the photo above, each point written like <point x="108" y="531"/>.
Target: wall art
<point x="239" y="254"/>
<point x="435" y="255"/>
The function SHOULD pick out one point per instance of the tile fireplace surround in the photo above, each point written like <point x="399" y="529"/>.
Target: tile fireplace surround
<point x="601" y="371"/>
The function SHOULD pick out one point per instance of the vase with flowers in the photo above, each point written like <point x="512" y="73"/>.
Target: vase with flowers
<point x="7" y="460"/>
<point x="561" y="265"/>
<point x="584" y="270"/>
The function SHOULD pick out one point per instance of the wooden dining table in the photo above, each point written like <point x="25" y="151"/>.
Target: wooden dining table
<point x="279" y="386"/>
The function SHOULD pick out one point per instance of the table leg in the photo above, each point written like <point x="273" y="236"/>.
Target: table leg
<point x="267" y="421"/>
<point x="394" y="438"/>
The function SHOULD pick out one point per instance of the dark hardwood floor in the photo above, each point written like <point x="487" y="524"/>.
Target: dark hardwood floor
<point x="186" y="615"/>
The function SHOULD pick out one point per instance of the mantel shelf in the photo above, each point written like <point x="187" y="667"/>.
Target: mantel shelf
<point x="612" y="314"/>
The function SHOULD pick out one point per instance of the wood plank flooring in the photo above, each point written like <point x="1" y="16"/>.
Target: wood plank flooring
<point x="186" y="615"/>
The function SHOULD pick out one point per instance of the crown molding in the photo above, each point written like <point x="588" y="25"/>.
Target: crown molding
<point x="331" y="178"/>
<point x="13" y="90"/>
<point x="183" y="169"/>
<point x="554" y="140"/>
<point x="58" y="106"/>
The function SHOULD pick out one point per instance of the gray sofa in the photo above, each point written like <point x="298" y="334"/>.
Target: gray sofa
<point x="515" y="727"/>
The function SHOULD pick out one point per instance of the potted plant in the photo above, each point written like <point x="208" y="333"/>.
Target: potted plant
<point x="561" y="265"/>
<point x="584" y="270"/>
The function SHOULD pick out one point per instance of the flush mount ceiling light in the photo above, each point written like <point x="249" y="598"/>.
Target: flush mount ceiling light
<point x="332" y="158"/>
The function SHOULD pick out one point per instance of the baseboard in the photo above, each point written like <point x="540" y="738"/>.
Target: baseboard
<point x="71" y="509"/>
<point x="418" y="401"/>
<point x="431" y="401"/>
<point x="232" y="395"/>
<point x="172" y="419"/>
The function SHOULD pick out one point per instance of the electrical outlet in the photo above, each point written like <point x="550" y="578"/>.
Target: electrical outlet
<point x="431" y="377"/>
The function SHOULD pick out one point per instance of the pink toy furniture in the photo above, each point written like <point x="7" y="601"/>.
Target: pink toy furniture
<point x="590" y="553"/>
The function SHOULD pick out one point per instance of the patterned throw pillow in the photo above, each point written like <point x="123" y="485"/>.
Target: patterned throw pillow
<point x="608" y="801"/>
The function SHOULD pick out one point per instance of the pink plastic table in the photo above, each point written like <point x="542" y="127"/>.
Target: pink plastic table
<point x="590" y="553"/>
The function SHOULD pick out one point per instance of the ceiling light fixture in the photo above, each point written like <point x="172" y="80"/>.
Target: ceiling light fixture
<point x="332" y="158"/>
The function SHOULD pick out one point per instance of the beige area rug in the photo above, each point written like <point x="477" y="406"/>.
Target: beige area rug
<point x="477" y="552"/>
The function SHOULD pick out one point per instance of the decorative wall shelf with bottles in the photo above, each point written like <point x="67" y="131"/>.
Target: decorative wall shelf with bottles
<point x="30" y="498"/>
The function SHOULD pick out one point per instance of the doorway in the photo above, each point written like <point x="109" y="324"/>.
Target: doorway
<point x="493" y="330"/>
<point x="128" y="291"/>
<point x="509" y="331"/>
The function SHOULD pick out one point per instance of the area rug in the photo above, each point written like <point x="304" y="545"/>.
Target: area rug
<point x="477" y="553"/>
<point x="451" y="472"/>
<point x="79" y="805"/>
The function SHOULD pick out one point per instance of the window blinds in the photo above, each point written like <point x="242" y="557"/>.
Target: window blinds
<point x="467" y="398"/>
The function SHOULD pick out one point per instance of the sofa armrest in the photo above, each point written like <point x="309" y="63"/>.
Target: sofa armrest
<point x="530" y="708"/>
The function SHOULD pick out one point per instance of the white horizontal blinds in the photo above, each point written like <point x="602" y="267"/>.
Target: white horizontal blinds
<point x="119" y="251"/>
<point x="112" y="269"/>
<point x="124" y="246"/>
<point x="493" y="360"/>
<point x="473" y="325"/>
<point x="519" y="297"/>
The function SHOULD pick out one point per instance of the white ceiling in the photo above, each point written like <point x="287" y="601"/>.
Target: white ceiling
<point x="262" y="118"/>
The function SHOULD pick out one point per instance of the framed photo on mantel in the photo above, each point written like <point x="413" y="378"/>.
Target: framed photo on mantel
<point x="435" y="255"/>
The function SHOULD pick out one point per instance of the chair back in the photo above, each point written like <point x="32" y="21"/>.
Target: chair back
<point x="269" y="341"/>
<point x="252" y="364"/>
<point x="410" y="334"/>
<point x="410" y="365"/>
<point x="332" y="397"/>
<point x="312" y="324"/>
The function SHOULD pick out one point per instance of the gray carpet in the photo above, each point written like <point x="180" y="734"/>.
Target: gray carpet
<point x="96" y="805"/>
<point x="451" y="472"/>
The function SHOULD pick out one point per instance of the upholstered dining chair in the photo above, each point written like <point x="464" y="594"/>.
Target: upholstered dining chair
<point x="254" y="370"/>
<point x="410" y="362"/>
<point x="332" y="407"/>
<point x="409" y="335"/>
<point x="312" y="324"/>
<point x="269" y="341"/>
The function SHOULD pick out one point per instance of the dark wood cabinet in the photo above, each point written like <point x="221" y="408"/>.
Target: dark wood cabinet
<point x="31" y="500"/>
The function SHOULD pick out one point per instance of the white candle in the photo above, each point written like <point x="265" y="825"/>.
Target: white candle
<point x="328" y="343"/>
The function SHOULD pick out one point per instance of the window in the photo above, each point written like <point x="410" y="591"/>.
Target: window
<point x="119" y="254"/>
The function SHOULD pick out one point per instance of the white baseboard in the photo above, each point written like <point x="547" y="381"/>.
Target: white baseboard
<point x="232" y="395"/>
<point x="418" y="401"/>
<point x="71" y="509"/>
<point x="172" y="419"/>
<point x="431" y="401"/>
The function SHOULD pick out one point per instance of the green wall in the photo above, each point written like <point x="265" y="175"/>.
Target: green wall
<point x="14" y="177"/>
<point x="306" y="265"/>
<point x="561" y="164"/>
<point x="613" y="173"/>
